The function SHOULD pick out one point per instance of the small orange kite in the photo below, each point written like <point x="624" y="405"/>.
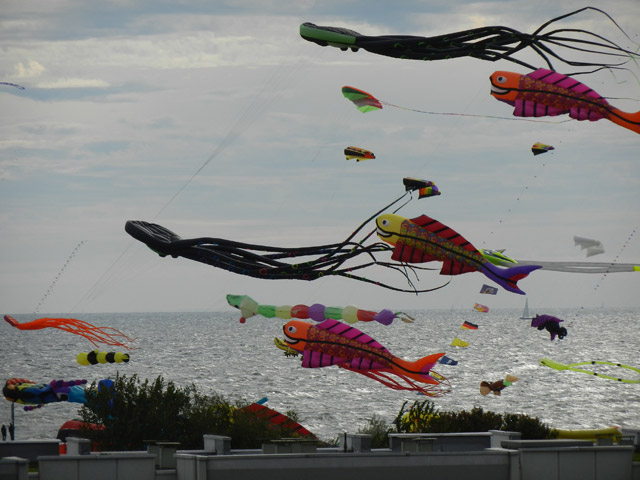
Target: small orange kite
<point x="94" y="334"/>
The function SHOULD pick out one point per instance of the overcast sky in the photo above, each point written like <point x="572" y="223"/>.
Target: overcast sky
<point x="218" y="119"/>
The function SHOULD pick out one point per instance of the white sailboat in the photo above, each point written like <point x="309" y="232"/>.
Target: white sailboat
<point x="525" y="312"/>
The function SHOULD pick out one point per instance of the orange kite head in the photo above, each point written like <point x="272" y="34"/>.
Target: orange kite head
<point x="505" y="85"/>
<point x="296" y="334"/>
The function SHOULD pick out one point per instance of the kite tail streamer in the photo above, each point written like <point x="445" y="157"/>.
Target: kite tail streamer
<point x="438" y="389"/>
<point x="547" y="362"/>
<point x="95" y="335"/>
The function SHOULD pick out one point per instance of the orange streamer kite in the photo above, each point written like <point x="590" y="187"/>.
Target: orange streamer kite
<point x="94" y="334"/>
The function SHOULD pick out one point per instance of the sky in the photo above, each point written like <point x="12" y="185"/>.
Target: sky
<point x="217" y="119"/>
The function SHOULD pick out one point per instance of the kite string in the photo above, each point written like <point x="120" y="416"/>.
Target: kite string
<point x="248" y="117"/>
<point x="473" y="115"/>
<point x="252" y="112"/>
<point x="58" y="275"/>
<point x="615" y="260"/>
<point x="525" y="190"/>
<point x="242" y="123"/>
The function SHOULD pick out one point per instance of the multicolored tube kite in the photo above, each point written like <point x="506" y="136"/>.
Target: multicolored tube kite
<point x="249" y="308"/>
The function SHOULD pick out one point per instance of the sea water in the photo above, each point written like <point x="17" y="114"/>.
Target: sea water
<point x="240" y="361"/>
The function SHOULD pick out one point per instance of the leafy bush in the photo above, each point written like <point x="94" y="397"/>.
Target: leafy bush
<point x="379" y="431"/>
<point x="531" y="428"/>
<point x="423" y="417"/>
<point x="417" y="418"/>
<point x="136" y="411"/>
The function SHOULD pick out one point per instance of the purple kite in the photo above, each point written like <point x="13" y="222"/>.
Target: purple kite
<point x="551" y="324"/>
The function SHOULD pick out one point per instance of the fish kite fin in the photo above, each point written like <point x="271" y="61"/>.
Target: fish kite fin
<point x="570" y="83"/>
<point x="626" y="120"/>
<point x="450" y="267"/>
<point x="407" y="254"/>
<point x="418" y="370"/>
<point x="442" y="230"/>
<point x="508" y="278"/>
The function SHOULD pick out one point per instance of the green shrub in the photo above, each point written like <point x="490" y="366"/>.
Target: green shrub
<point x="531" y="428"/>
<point x="423" y="417"/>
<point x="379" y="431"/>
<point x="417" y="418"/>
<point x="137" y="411"/>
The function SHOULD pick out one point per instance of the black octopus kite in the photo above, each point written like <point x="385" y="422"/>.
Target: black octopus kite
<point x="280" y="263"/>
<point x="490" y="43"/>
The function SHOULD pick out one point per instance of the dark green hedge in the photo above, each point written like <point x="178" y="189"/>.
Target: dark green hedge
<point x="137" y="411"/>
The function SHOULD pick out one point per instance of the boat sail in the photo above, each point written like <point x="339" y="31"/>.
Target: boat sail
<point x="525" y="312"/>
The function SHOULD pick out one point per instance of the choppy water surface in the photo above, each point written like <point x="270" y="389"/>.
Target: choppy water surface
<point x="218" y="354"/>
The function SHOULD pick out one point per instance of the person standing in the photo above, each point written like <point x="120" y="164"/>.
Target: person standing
<point x="4" y="433"/>
<point x="12" y="431"/>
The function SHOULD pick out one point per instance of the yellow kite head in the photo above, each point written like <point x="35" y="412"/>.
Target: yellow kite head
<point x="389" y="226"/>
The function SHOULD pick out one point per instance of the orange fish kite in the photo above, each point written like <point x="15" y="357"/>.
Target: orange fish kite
<point x="545" y="92"/>
<point x="335" y="343"/>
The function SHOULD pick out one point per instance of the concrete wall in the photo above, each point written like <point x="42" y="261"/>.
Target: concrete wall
<point x="520" y="460"/>
<point x="576" y="463"/>
<point x="540" y="463"/>
<point x="29" y="449"/>
<point x="138" y="466"/>
<point x="339" y="466"/>
<point x="452" y="442"/>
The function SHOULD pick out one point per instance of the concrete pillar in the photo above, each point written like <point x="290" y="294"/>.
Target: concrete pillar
<point x="355" y="442"/>
<point x="219" y="444"/>
<point x="164" y="453"/>
<point x="14" y="468"/>
<point x="78" y="446"/>
<point x="290" y="445"/>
